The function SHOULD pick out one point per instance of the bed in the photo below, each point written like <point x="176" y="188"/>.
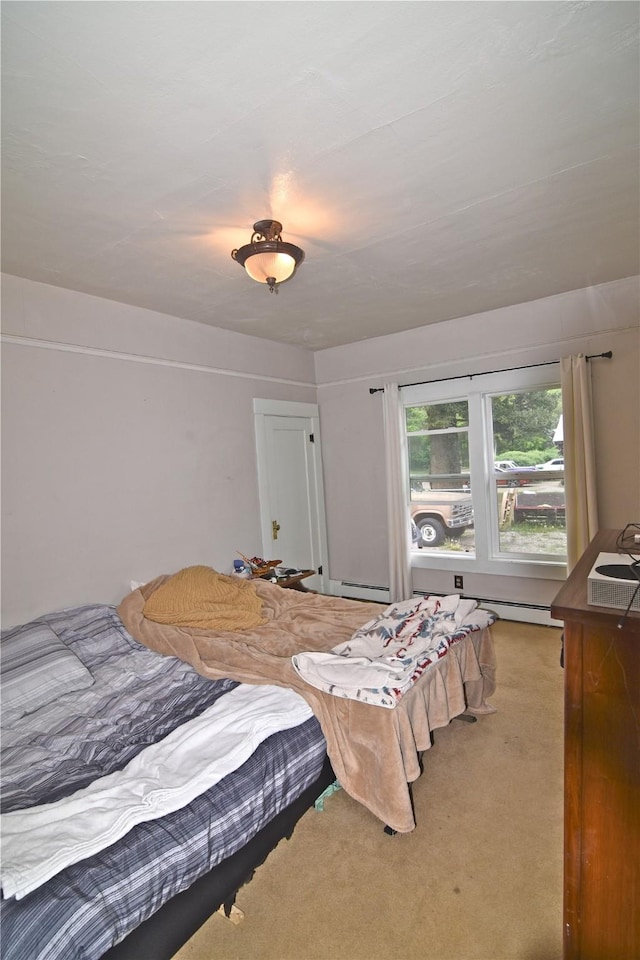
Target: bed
<point x="374" y="751"/>
<point x="150" y="890"/>
<point x="114" y="688"/>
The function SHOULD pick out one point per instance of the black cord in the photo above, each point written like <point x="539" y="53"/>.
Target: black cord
<point x="623" y="619"/>
<point x="625" y="542"/>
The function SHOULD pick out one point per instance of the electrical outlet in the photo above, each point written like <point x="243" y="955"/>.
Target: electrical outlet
<point x="458" y="582"/>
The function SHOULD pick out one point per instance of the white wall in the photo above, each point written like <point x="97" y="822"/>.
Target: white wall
<point x="590" y="321"/>
<point x="128" y="440"/>
<point x="128" y="444"/>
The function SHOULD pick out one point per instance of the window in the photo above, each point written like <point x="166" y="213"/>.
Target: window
<point x="486" y="474"/>
<point x="438" y="450"/>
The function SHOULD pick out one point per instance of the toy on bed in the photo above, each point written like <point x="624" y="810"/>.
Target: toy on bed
<point x="259" y="567"/>
<point x="130" y="781"/>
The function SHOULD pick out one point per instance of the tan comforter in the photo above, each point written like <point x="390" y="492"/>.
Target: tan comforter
<point x="373" y="750"/>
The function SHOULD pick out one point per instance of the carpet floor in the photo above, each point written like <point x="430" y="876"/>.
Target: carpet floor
<point x="479" y="879"/>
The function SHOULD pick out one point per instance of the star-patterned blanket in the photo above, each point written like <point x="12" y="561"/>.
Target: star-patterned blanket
<point x="383" y="659"/>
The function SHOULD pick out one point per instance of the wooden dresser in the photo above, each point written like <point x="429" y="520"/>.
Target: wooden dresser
<point x="602" y="770"/>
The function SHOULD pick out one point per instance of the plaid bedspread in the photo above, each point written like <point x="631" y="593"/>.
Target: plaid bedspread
<point x="92" y="905"/>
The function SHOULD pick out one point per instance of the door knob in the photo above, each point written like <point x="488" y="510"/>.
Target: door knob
<point x="275" y="526"/>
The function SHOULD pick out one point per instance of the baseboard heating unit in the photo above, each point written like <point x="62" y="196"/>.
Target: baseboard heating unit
<point x="360" y="591"/>
<point x="614" y="581"/>
<point x="505" y="609"/>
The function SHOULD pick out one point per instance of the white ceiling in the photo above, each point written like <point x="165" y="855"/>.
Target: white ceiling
<point x="433" y="159"/>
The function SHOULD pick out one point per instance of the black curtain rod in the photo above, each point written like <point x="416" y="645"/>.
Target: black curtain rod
<point x="463" y="376"/>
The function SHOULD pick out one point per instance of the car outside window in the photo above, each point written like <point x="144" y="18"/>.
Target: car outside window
<point x="464" y="496"/>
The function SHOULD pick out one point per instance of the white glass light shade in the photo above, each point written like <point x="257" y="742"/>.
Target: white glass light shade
<point x="267" y="258"/>
<point x="280" y="266"/>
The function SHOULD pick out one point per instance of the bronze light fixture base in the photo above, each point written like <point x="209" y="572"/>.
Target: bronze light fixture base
<point x="267" y="258"/>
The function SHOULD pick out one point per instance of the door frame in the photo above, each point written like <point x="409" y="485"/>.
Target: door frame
<point x="291" y="408"/>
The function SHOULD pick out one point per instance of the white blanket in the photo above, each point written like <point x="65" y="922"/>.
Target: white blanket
<point x="385" y="657"/>
<point x="39" y="842"/>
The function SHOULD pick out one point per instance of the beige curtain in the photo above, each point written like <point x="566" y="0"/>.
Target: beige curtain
<point x="400" y="583"/>
<point x="579" y="456"/>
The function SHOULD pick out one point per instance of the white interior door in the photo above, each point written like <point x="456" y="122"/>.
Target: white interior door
<point x="290" y="484"/>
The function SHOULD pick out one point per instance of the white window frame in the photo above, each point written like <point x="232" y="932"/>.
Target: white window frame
<point x="477" y="390"/>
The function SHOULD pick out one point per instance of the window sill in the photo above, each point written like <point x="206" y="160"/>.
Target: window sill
<point x="503" y="567"/>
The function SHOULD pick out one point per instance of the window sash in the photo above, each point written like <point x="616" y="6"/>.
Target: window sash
<point x="488" y="558"/>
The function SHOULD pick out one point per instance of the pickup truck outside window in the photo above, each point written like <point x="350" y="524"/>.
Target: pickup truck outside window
<point x="505" y="462"/>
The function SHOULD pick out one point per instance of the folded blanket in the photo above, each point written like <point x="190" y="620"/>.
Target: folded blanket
<point x="39" y="842"/>
<point x="200" y="597"/>
<point x="384" y="658"/>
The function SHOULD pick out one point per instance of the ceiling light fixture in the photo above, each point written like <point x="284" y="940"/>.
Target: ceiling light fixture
<point x="268" y="258"/>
